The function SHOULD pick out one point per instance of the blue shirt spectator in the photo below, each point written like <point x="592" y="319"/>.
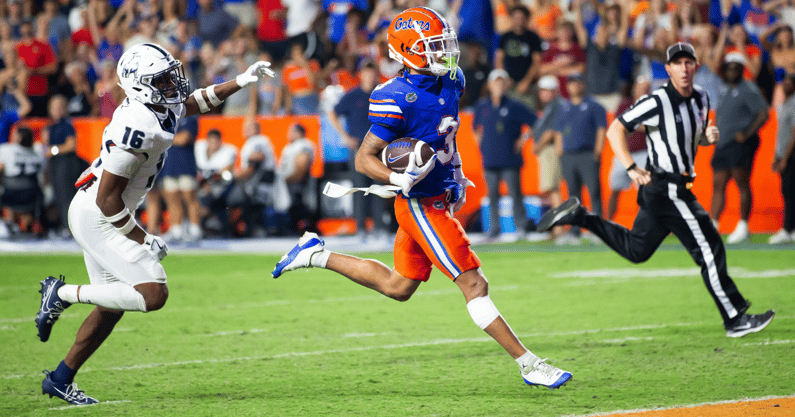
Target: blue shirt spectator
<point x="502" y="127"/>
<point x="578" y="124"/>
<point x="354" y="105"/>
<point x="753" y="18"/>
<point x="181" y="159"/>
<point x="338" y="15"/>
<point x="60" y="131"/>
<point x="215" y="24"/>
<point x="7" y="119"/>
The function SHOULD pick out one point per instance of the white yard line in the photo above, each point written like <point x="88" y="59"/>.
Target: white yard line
<point x="618" y="273"/>
<point x="645" y="410"/>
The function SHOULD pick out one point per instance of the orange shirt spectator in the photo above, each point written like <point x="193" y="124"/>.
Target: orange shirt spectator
<point x="751" y="51"/>
<point x="545" y="21"/>
<point x="344" y="78"/>
<point x="297" y="80"/>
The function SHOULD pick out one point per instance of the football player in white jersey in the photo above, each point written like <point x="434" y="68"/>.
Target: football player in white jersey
<point x="122" y="259"/>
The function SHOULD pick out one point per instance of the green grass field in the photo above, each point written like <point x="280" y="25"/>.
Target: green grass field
<point x="231" y="341"/>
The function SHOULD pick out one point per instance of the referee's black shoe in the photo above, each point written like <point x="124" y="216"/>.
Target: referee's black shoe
<point x="570" y="212"/>
<point x="749" y="323"/>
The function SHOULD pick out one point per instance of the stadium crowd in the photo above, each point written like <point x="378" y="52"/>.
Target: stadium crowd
<point x="570" y="62"/>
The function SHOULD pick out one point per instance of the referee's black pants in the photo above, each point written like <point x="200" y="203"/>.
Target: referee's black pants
<point x="670" y="207"/>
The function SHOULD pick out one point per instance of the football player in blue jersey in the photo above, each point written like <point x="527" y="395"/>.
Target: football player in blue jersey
<point x="422" y="103"/>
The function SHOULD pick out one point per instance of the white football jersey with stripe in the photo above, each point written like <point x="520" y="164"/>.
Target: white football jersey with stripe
<point x="134" y="146"/>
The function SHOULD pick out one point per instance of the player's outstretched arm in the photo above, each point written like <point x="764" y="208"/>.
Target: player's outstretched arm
<point x="205" y="99"/>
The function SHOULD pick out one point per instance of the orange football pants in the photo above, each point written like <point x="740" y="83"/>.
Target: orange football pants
<point x="429" y="235"/>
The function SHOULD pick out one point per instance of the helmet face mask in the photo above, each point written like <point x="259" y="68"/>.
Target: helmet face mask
<point x="421" y="39"/>
<point x="151" y="75"/>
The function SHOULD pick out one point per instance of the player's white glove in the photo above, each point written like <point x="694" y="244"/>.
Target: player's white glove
<point x="256" y="71"/>
<point x="156" y="246"/>
<point x="462" y="181"/>
<point x="413" y="173"/>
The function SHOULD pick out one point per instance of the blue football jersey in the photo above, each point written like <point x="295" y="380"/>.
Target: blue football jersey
<point x="421" y="107"/>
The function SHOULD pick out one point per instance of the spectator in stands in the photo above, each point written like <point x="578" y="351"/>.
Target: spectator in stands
<point x="581" y="132"/>
<point x="602" y="52"/>
<point x="109" y="38"/>
<point x="502" y="127"/>
<point x="146" y="32"/>
<point x="169" y="24"/>
<point x="81" y="100"/>
<point x="520" y="51"/>
<point x="619" y="178"/>
<point x="301" y="15"/>
<point x="179" y="185"/>
<point x="109" y="94"/>
<point x="245" y="11"/>
<point x="255" y="183"/>
<point x="750" y="15"/>
<point x="354" y="42"/>
<point x="545" y="147"/>
<point x="564" y="57"/>
<point x="215" y="161"/>
<point x="242" y="53"/>
<point x="782" y="56"/>
<point x="354" y="106"/>
<point x="215" y="24"/>
<point x="545" y="19"/>
<point x="301" y="82"/>
<point x="338" y="15"/>
<point x="12" y="81"/>
<point x="16" y="17"/>
<point x="60" y="143"/>
<point x="709" y="58"/>
<point x="784" y="161"/>
<point x="58" y="32"/>
<point x="475" y="66"/>
<point x="268" y="95"/>
<point x="741" y="112"/>
<point x="294" y="168"/>
<point x="39" y="58"/>
<point x="740" y="43"/>
<point x="20" y="166"/>
<point x="271" y="27"/>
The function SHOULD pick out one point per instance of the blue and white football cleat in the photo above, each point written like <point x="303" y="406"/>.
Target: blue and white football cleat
<point x="542" y="373"/>
<point x="67" y="392"/>
<point x="300" y="256"/>
<point x="51" y="306"/>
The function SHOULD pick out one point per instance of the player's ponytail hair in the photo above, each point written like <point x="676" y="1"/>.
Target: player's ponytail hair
<point x="403" y="70"/>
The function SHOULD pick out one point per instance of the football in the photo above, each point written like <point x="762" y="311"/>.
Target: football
<point x="396" y="155"/>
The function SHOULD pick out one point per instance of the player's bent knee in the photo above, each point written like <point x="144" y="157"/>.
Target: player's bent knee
<point x="155" y="295"/>
<point x="473" y="284"/>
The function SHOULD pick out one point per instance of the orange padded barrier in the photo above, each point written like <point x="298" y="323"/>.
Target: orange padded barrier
<point x="766" y="215"/>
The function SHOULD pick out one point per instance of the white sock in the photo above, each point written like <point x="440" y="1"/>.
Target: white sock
<point x="319" y="260"/>
<point x="68" y="293"/>
<point x="116" y="296"/>
<point x="528" y="358"/>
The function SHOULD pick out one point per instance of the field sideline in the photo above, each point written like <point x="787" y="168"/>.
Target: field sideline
<point x="233" y="341"/>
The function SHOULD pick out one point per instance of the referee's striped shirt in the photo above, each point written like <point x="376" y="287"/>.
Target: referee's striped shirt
<point x="674" y="126"/>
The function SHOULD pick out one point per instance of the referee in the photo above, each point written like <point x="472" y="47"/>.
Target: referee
<point x="676" y="117"/>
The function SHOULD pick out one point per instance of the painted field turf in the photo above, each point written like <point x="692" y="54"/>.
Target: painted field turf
<point x="231" y="341"/>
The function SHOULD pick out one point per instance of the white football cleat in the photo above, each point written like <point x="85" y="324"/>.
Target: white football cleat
<point x="781" y="237"/>
<point x="740" y="233"/>
<point x="542" y="373"/>
<point x="301" y="255"/>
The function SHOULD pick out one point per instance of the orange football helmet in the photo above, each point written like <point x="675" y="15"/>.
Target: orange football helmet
<point x="420" y="38"/>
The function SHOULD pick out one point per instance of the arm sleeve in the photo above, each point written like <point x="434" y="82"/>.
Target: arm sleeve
<point x="386" y="116"/>
<point x="645" y="111"/>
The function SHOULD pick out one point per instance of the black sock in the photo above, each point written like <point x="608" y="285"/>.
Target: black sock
<point x="63" y="373"/>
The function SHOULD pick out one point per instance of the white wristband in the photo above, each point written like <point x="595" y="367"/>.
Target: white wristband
<point x="118" y="216"/>
<point x="128" y="227"/>
<point x="203" y="107"/>
<point x="214" y="100"/>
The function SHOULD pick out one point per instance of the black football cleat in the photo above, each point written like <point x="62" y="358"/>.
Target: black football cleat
<point x="51" y="306"/>
<point x="570" y="212"/>
<point x="749" y="323"/>
<point x="67" y="392"/>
